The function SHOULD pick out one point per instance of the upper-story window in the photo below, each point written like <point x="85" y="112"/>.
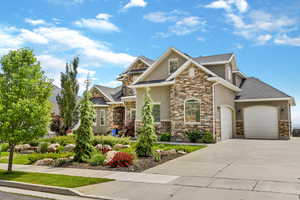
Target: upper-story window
<point x="173" y="65"/>
<point x="135" y="77"/>
<point x="229" y="71"/>
<point x="102" y="118"/>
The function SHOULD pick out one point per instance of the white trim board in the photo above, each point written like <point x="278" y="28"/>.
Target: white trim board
<point x="225" y="83"/>
<point x="268" y="99"/>
<point x="110" y="99"/>
<point x="153" y="84"/>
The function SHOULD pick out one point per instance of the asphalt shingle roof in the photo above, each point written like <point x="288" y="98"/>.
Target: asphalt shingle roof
<point x="98" y="101"/>
<point x="215" y="58"/>
<point x="253" y="88"/>
<point x="113" y="93"/>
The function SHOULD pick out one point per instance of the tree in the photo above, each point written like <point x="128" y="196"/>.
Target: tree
<point x="84" y="133"/>
<point x="67" y="100"/>
<point x="24" y="105"/>
<point x="147" y="136"/>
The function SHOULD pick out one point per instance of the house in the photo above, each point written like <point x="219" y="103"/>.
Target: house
<point x="206" y="92"/>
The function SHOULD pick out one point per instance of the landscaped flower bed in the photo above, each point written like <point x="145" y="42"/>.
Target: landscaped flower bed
<point x="111" y="153"/>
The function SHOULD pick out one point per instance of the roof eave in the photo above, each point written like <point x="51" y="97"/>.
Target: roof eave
<point x="290" y="99"/>
<point x="224" y="83"/>
<point x="153" y="84"/>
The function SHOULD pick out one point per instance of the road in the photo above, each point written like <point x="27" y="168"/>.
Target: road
<point x="10" y="196"/>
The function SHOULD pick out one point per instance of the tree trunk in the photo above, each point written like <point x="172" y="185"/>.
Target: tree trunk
<point x="11" y="157"/>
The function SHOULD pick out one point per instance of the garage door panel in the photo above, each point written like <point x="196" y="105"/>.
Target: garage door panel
<point x="261" y="122"/>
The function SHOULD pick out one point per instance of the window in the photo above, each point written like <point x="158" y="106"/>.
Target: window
<point x="102" y="118"/>
<point x="192" y="111"/>
<point x="229" y="73"/>
<point x="132" y="114"/>
<point x="134" y="78"/>
<point x="156" y="112"/>
<point x="173" y="65"/>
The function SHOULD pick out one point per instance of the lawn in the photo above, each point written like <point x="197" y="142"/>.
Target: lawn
<point x="51" y="179"/>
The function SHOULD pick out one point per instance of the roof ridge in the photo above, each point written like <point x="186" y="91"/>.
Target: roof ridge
<point x="214" y="55"/>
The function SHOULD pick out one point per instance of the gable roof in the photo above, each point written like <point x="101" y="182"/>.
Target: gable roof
<point x="214" y="59"/>
<point x="253" y="88"/>
<point x="113" y="94"/>
<point x="143" y="59"/>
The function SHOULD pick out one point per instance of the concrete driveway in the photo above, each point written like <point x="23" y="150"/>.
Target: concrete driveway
<point x="235" y="170"/>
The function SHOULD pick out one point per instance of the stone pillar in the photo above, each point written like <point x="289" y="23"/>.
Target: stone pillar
<point x="284" y="130"/>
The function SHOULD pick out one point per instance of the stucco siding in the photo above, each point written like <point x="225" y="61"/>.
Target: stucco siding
<point x="162" y="70"/>
<point x="158" y="95"/>
<point x="98" y="129"/>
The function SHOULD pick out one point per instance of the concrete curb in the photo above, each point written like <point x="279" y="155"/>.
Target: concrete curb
<point x="51" y="189"/>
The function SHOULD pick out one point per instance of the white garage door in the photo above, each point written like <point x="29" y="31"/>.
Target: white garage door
<point x="226" y="123"/>
<point x="261" y="122"/>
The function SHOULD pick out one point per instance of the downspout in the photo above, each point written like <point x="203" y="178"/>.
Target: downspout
<point x="214" y="117"/>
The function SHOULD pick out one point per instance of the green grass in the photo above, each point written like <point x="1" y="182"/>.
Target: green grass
<point x="51" y="179"/>
<point x="165" y="147"/>
<point x="27" y="159"/>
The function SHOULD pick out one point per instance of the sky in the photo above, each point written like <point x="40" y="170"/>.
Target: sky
<point x="108" y="35"/>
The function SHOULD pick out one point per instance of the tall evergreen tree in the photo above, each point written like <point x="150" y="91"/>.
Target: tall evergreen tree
<point x="147" y="136"/>
<point x="24" y="100"/>
<point x="84" y="134"/>
<point x="67" y="100"/>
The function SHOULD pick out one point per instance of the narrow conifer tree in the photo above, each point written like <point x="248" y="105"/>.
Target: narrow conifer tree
<point x="67" y="100"/>
<point x="147" y="136"/>
<point x="84" y="134"/>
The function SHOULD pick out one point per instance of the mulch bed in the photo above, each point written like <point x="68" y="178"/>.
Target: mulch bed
<point x="139" y="165"/>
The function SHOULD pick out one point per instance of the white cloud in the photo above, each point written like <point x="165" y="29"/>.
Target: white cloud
<point x="29" y="36"/>
<point x="159" y="17"/>
<point x="101" y="22"/>
<point x="286" y="40"/>
<point x="187" y="25"/>
<point x="111" y="84"/>
<point x="35" y="22"/>
<point x="201" y="39"/>
<point x="263" y="39"/>
<point x="238" y="46"/>
<point x="135" y="3"/>
<point x="241" y="5"/>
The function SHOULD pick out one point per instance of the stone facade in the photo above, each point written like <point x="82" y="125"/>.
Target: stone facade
<point x="284" y="129"/>
<point x="162" y="127"/>
<point x="187" y="87"/>
<point x="128" y="108"/>
<point x="239" y="128"/>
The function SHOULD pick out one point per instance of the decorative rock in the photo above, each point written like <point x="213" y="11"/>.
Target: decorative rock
<point x="172" y="152"/>
<point x="121" y="146"/>
<point x="27" y="152"/>
<point x="22" y="147"/>
<point x="99" y="147"/>
<point x="70" y="147"/>
<point x="181" y="152"/>
<point x="52" y="148"/>
<point x="166" y="153"/>
<point x="45" y="162"/>
<point x="109" y="156"/>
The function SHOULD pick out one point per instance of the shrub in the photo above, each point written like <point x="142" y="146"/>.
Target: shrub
<point x="62" y="140"/>
<point x="121" y="159"/>
<point x="61" y="162"/>
<point x="156" y="156"/>
<point x="96" y="159"/>
<point x="60" y="149"/>
<point x="207" y="138"/>
<point x="34" y="143"/>
<point x="194" y="135"/>
<point x="110" y="140"/>
<point x="165" y="137"/>
<point x="44" y="147"/>
<point x="39" y="156"/>
<point x="4" y="147"/>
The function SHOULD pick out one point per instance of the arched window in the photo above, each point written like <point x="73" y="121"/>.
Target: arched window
<point x="192" y="110"/>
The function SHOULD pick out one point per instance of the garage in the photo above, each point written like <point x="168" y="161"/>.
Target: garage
<point x="261" y="122"/>
<point x="226" y="123"/>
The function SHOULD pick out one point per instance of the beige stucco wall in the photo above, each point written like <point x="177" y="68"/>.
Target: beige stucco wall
<point x="162" y="70"/>
<point x="237" y="80"/>
<point x="217" y="69"/>
<point x="159" y="95"/>
<point x="283" y="115"/>
<point x="223" y="96"/>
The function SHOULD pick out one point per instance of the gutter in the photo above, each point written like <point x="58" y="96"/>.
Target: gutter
<point x="153" y="84"/>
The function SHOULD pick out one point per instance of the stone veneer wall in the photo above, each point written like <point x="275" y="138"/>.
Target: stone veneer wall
<point x="284" y="129"/>
<point x="186" y="87"/>
<point x="239" y="128"/>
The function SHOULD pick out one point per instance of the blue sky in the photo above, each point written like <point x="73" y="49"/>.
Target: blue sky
<point x="109" y="34"/>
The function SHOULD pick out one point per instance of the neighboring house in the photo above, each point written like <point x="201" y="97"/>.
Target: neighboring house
<point x="188" y="93"/>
